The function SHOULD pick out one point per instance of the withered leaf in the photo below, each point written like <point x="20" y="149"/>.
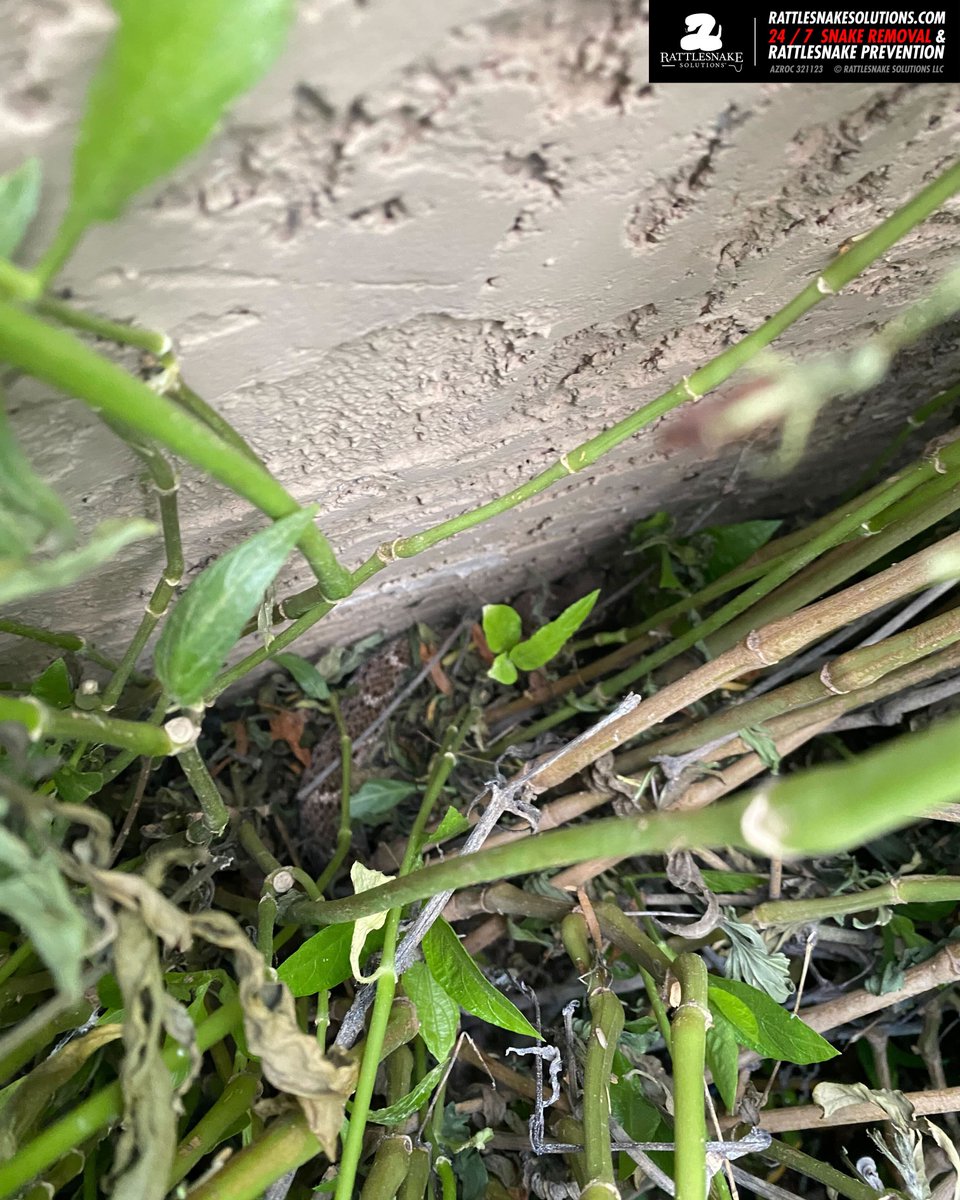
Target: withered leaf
<point x="291" y="1060"/>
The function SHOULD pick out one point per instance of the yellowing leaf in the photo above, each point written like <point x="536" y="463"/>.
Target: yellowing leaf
<point x="363" y="879"/>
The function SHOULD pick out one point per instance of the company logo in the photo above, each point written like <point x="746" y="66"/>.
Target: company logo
<point x="702" y="36"/>
<point x="701" y="49"/>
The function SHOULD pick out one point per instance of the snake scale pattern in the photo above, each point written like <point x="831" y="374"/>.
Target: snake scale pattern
<point x="371" y="690"/>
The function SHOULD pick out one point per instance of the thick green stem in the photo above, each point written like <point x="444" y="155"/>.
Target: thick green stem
<point x="71" y="642"/>
<point x="388" y="1169"/>
<point x="797" y="816"/>
<point x="386" y="989"/>
<point x="235" y="1099"/>
<point x="911" y="889"/>
<point x="606" y="1017"/>
<point x="100" y="1109"/>
<point x="813" y="1168"/>
<point x="114" y="331"/>
<point x="248" y="1174"/>
<point x="688" y="1037"/>
<point x="73" y="725"/>
<point x="60" y="359"/>
<point x="166" y="486"/>
<point x="215" y="815"/>
<point x="920" y="510"/>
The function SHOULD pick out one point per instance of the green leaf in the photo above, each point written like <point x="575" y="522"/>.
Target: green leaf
<point x="501" y="627"/>
<point x="31" y="513"/>
<point x="722" y="1052"/>
<point x="19" y="579"/>
<point x="19" y="196"/>
<point x="760" y="741"/>
<point x="733" y="545"/>
<point x="407" y="1105"/>
<point x="462" y="980"/>
<point x="453" y="824"/>
<point x="35" y="895"/>
<point x="169" y="74"/>
<point x="53" y="685"/>
<point x="503" y="670"/>
<point x="76" y="787"/>
<point x="377" y="798"/>
<point x="751" y="961"/>
<point x="212" y="612"/>
<point x="550" y="640"/>
<point x="308" y="678"/>
<point x="322" y="962"/>
<point x="762" y="1025"/>
<point x="438" y="1013"/>
<point x="629" y="1105"/>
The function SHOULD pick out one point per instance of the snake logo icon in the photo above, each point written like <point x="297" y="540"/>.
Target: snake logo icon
<point x="701" y="35"/>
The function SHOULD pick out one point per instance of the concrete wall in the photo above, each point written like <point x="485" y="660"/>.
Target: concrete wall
<point x="446" y="240"/>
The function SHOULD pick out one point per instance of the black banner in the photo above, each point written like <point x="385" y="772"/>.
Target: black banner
<point x="754" y="44"/>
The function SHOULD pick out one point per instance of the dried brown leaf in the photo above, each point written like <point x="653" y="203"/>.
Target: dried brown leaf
<point x="287" y="726"/>
<point x="148" y="1136"/>
<point x="291" y="1060"/>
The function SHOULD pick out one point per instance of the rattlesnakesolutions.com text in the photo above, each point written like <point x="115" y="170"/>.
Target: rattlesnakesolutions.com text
<point x="750" y="43"/>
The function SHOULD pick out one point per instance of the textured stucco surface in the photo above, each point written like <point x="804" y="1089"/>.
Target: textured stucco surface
<point x="446" y="240"/>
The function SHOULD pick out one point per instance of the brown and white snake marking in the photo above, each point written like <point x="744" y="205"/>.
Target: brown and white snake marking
<point x="372" y="688"/>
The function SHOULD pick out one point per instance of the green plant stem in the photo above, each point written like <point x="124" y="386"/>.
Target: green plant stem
<point x="847" y="673"/>
<point x="386" y="989"/>
<point x="344" y="836"/>
<point x="100" y="1109"/>
<point x="73" y="725"/>
<point x="796" y="816"/>
<point x="62" y="360"/>
<point x="266" y="920"/>
<point x="215" y="815"/>
<point x="70" y="642"/>
<point x="914" y="421"/>
<point x="781" y="571"/>
<point x="688" y="1031"/>
<point x="14" y="961"/>
<point x="836" y="276"/>
<point x="448" y="1181"/>
<point x="250" y="840"/>
<point x="441" y="766"/>
<point x="20" y="1055"/>
<point x="762" y="647"/>
<point x="911" y="889"/>
<point x="114" y="331"/>
<point x="813" y="1168"/>
<point x="18" y="284"/>
<point x="187" y="398"/>
<point x="166" y="486"/>
<point x="606" y="1017"/>
<point x="279" y="642"/>
<point x="248" y="1174"/>
<point x="418" y="1175"/>
<point x="388" y="1169"/>
<point x="234" y="1101"/>
<point x="919" y="511"/>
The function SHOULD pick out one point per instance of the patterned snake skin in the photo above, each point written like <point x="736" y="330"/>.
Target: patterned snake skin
<point x="372" y="688"/>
